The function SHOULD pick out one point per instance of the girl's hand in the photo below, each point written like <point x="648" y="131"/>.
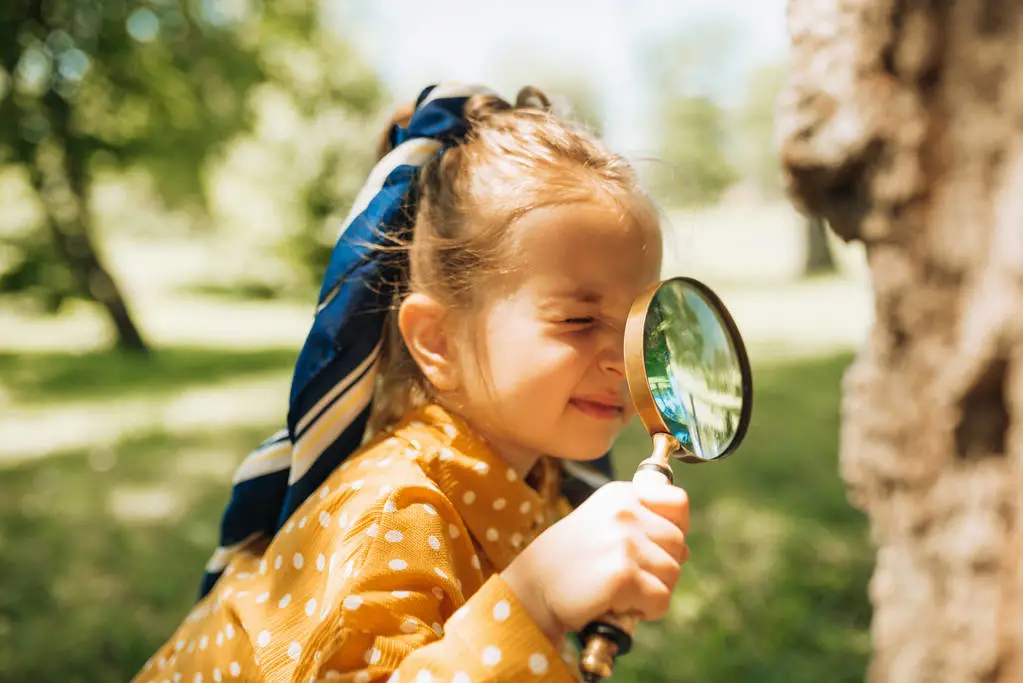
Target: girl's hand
<point x="620" y="551"/>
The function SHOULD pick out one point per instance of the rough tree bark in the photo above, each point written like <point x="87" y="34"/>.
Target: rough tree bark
<point x="902" y="125"/>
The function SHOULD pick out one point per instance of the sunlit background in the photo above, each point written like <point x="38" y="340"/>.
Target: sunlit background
<point x="201" y="154"/>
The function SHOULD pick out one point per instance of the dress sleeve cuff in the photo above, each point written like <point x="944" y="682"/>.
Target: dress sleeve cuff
<point x="495" y="627"/>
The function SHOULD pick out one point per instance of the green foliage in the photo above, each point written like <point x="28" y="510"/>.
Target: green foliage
<point x="695" y="169"/>
<point x="754" y="129"/>
<point x="169" y="87"/>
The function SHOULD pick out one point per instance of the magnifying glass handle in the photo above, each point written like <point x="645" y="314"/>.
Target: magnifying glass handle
<point x="611" y="636"/>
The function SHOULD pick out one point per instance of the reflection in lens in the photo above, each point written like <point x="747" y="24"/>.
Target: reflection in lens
<point x="693" y="370"/>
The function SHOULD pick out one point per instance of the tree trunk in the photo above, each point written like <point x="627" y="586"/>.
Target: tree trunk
<point x="60" y="176"/>
<point x="902" y="125"/>
<point x="819" y="258"/>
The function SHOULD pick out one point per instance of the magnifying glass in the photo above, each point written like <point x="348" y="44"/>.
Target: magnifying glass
<point x="690" y="380"/>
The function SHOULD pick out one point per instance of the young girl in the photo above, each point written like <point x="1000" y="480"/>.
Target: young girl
<point x="442" y="549"/>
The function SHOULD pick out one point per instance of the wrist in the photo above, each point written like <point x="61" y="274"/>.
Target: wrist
<point x="528" y="592"/>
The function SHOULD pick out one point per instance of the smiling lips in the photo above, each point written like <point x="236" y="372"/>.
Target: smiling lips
<point x="600" y="408"/>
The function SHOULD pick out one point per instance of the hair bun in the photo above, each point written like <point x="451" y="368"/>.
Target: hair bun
<point x="531" y="97"/>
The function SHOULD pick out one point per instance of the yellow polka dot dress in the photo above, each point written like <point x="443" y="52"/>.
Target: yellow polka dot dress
<point x="387" y="573"/>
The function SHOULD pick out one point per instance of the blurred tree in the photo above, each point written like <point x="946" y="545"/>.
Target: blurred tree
<point x="900" y="127"/>
<point x="94" y="85"/>
<point x="756" y="150"/>
<point x="696" y="170"/>
<point x="686" y="70"/>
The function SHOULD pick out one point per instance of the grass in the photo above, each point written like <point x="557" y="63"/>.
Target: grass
<point x="102" y="549"/>
<point x="49" y="378"/>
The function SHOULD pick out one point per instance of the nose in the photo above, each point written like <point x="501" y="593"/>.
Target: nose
<point x="611" y="357"/>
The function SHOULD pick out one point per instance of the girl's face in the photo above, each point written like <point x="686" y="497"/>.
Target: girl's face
<point x="547" y="373"/>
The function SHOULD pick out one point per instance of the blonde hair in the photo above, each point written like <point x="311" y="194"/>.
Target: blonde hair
<point x="514" y="159"/>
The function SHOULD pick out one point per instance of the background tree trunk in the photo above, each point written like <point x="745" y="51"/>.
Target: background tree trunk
<point x="819" y="258"/>
<point x="902" y="125"/>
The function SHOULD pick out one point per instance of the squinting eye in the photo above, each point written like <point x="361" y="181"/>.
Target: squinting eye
<point x="579" y="321"/>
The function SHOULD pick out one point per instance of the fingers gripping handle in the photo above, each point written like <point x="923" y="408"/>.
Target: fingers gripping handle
<point x="611" y="636"/>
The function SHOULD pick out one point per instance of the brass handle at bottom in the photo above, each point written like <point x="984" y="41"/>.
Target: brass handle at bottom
<point x="605" y="640"/>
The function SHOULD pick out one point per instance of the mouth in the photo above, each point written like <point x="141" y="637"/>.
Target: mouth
<point x="602" y="409"/>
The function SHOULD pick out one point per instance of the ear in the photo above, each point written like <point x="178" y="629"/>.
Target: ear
<point x="421" y="321"/>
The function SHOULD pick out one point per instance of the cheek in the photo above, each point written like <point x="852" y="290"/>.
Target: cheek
<point x="527" y="363"/>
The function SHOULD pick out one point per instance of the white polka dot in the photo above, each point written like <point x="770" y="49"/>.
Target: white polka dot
<point x="475" y="561"/>
<point x="372" y="656"/>
<point x="362" y="677"/>
<point x="191" y="646"/>
<point x="289" y="527"/>
<point x="349" y="567"/>
<point x="353" y="602"/>
<point x="310" y="607"/>
<point x="400" y="594"/>
<point x="502" y="610"/>
<point x="538" y="664"/>
<point x="481" y="467"/>
<point x="384" y="462"/>
<point x="491" y="655"/>
<point x="262" y="566"/>
<point x="203" y="642"/>
<point x="394" y="536"/>
<point x="295" y="649"/>
<point x="409" y="626"/>
<point x="220" y="639"/>
<point x="511" y="474"/>
<point x="262" y="597"/>
<point x="357" y="484"/>
<point x="500" y="503"/>
<point x="324" y="491"/>
<point x="333" y="675"/>
<point x="342" y="520"/>
<point x="434" y="542"/>
<point x="321" y="562"/>
<point x="302" y="522"/>
<point x="324" y="519"/>
<point x="429" y="509"/>
<point x="437" y="592"/>
<point x="524" y="508"/>
<point x="424" y="677"/>
<point x="469" y="497"/>
<point x="492" y="534"/>
<point x="198" y="678"/>
<point x="284" y="601"/>
<point x="345" y="466"/>
<point x="297" y="560"/>
<point x="438" y="629"/>
<point x="453" y="531"/>
<point x="263" y="639"/>
<point x="415" y="444"/>
<point x="241" y="594"/>
<point x="446" y="454"/>
<point x="516" y="540"/>
<point x="372" y="530"/>
<point x="389" y="506"/>
<point x="229" y="631"/>
<point x="278" y="561"/>
<point x="440" y="572"/>
<point x="461" y="613"/>
<point x="235" y="669"/>
<point x="397" y="565"/>
<point x="216" y="675"/>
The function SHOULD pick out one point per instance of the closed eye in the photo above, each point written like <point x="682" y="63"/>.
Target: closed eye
<point x="579" y="321"/>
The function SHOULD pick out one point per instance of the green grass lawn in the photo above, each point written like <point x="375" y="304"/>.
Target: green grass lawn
<point x="101" y="550"/>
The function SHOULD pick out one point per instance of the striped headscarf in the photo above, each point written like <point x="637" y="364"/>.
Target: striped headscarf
<point x="332" y="386"/>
